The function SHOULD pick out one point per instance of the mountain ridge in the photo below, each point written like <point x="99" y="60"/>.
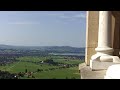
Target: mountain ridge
<point x="45" y="48"/>
<point x="37" y="46"/>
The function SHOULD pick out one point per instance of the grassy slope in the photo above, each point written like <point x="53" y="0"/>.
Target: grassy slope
<point x="58" y="73"/>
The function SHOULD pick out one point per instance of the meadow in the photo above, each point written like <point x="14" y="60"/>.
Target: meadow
<point x="41" y="70"/>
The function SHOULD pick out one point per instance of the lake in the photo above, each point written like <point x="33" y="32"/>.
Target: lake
<point x="74" y="54"/>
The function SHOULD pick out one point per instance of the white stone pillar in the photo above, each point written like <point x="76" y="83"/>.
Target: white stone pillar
<point x="104" y="56"/>
<point x="104" y="34"/>
<point x="104" y="37"/>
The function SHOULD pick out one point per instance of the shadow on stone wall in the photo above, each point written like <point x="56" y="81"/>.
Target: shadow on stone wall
<point x="116" y="32"/>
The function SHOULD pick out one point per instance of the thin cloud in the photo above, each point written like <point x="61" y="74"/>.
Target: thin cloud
<point x="55" y="14"/>
<point x="68" y="15"/>
<point x="65" y="17"/>
<point x="59" y="15"/>
<point x="24" y="23"/>
<point x="75" y="16"/>
<point x="80" y="15"/>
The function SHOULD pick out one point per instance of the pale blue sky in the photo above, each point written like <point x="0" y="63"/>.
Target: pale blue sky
<point x="43" y="28"/>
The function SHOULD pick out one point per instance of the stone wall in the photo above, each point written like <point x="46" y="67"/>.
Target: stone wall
<point x="91" y="34"/>
<point x="116" y="32"/>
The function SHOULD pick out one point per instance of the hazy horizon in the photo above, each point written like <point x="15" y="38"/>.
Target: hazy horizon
<point x="38" y="46"/>
<point x="43" y="28"/>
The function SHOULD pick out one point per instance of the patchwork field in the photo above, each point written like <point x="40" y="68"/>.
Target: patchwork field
<point x="60" y="67"/>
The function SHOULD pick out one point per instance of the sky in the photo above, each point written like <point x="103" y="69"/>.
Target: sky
<point x="43" y="28"/>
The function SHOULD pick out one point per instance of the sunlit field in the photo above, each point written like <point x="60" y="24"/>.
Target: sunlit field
<point x="40" y="70"/>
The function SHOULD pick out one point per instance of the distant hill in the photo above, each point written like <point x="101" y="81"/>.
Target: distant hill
<point x="46" y="48"/>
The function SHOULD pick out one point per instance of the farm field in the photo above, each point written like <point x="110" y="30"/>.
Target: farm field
<point x="35" y="67"/>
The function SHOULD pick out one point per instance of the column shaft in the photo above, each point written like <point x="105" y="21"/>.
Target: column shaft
<point x="104" y="36"/>
<point x="104" y="33"/>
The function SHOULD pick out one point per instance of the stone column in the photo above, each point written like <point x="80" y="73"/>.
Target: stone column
<point x="104" y="37"/>
<point x="104" y="56"/>
<point x="104" y="34"/>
